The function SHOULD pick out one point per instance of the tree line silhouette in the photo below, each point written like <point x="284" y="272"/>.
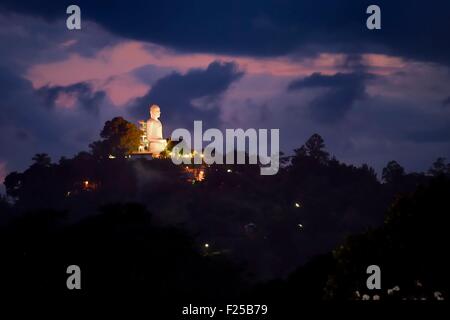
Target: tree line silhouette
<point x="144" y="226"/>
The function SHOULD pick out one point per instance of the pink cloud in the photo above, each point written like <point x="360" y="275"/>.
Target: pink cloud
<point x="66" y="100"/>
<point x="110" y="69"/>
<point x="122" y="88"/>
<point x="383" y="64"/>
<point x="68" y="43"/>
<point x="107" y="63"/>
<point x="130" y="55"/>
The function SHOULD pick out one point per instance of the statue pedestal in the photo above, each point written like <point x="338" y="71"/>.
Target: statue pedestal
<point x="157" y="146"/>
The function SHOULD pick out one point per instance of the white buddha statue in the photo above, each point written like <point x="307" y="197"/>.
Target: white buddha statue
<point x="156" y="143"/>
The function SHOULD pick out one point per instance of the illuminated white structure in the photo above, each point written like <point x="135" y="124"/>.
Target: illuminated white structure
<point x="152" y="140"/>
<point x="143" y="145"/>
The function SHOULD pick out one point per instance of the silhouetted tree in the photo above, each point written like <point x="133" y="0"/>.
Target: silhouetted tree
<point x="393" y="172"/>
<point x="439" y="167"/>
<point x="119" y="138"/>
<point x="314" y="148"/>
<point x="409" y="248"/>
<point x="264" y="221"/>
<point x="368" y="170"/>
<point x="120" y="252"/>
<point x="12" y="184"/>
<point x="42" y="160"/>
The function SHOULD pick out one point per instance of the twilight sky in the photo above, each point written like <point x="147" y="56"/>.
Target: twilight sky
<point x="302" y="66"/>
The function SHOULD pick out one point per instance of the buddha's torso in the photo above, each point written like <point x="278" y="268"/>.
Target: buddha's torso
<point x="154" y="129"/>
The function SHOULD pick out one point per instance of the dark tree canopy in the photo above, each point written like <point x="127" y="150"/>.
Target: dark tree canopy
<point x="409" y="247"/>
<point x="42" y="159"/>
<point x="314" y="148"/>
<point x="439" y="167"/>
<point x="119" y="137"/>
<point x="270" y="224"/>
<point x="393" y="172"/>
<point x="312" y="153"/>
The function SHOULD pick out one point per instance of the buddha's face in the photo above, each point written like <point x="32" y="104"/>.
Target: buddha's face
<point x="155" y="112"/>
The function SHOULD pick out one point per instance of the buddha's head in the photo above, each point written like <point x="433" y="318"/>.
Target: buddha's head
<point x="155" y="112"/>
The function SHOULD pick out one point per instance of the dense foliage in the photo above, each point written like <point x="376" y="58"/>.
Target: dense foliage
<point x="264" y="226"/>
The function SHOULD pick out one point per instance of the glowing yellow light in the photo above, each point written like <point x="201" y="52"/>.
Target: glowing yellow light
<point x="229" y="170"/>
<point x="297" y="205"/>
<point x="202" y="155"/>
<point x="206" y="245"/>
<point x="86" y="183"/>
<point x="201" y="175"/>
